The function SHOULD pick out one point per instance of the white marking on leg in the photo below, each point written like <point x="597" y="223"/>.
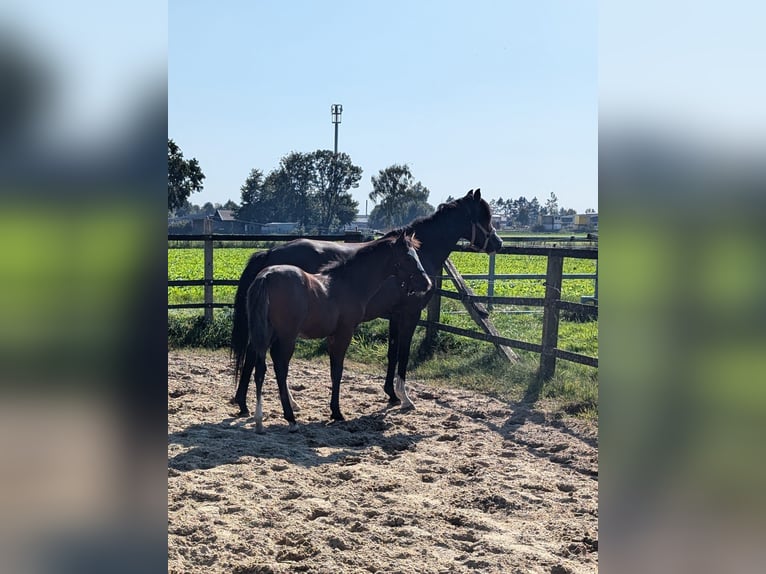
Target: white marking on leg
<point x="259" y="415"/>
<point x="398" y="387"/>
<point x="401" y="391"/>
<point x="292" y="427"/>
<point x="296" y="406"/>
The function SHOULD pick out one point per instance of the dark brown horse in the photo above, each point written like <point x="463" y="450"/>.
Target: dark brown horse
<point x="285" y="302"/>
<point x="468" y="217"/>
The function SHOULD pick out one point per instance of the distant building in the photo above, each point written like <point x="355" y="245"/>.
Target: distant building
<point x="550" y="222"/>
<point x="500" y="221"/>
<point x="567" y="221"/>
<point x="359" y="224"/>
<point x="580" y="222"/>
<point x="222" y="221"/>
<point x="586" y="222"/>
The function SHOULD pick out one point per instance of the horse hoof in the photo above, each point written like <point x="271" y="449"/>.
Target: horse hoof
<point x="339" y="417"/>
<point x="292" y="427"/>
<point x="259" y="428"/>
<point x="393" y="401"/>
<point x="408" y="407"/>
<point x="243" y="413"/>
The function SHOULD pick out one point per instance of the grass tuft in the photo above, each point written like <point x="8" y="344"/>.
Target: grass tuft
<point x="191" y="330"/>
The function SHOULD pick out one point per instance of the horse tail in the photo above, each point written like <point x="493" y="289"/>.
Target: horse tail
<point x="239" y="331"/>
<point x="259" y="327"/>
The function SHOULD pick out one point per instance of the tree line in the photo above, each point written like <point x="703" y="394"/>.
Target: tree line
<point x="313" y="190"/>
<point x="522" y="213"/>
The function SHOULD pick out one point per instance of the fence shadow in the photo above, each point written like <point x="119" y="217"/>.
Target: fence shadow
<point x="521" y="415"/>
<point x="532" y="392"/>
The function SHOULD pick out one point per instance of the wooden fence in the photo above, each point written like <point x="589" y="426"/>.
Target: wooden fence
<point x="580" y="248"/>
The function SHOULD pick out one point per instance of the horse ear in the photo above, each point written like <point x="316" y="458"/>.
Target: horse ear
<point x="477" y="194"/>
<point x="469" y="195"/>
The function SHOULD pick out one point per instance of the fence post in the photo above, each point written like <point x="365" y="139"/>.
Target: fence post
<point x="434" y="310"/>
<point x="595" y="285"/>
<point x="208" y="271"/>
<point x="551" y="316"/>
<point x="491" y="281"/>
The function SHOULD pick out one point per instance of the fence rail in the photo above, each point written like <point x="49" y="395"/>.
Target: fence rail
<point x="551" y="303"/>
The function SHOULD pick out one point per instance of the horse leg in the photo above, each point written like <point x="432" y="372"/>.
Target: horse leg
<point x="337" y="345"/>
<point x="281" y="353"/>
<point x="295" y="405"/>
<point x="260" y="375"/>
<point x="393" y="351"/>
<point x="244" y="382"/>
<point x="406" y="331"/>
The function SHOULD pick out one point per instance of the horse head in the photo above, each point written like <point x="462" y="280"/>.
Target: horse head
<point x="481" y="233"/>
<point x="407" y="266"/>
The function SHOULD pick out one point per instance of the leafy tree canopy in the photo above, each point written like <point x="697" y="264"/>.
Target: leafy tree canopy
<point x="551" y="205"/>
<point x="399" y="198"/>
<point x="521" y="212"/>
<point x="309" y="188"/>
<point x="184" y="177"/>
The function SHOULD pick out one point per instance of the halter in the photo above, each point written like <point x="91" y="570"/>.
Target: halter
<point x="398" y="267"/>
<point x="474" y="225"/>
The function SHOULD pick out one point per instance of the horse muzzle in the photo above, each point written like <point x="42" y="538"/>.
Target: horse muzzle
<point x="417" y="284"/>
<point x="492" y="242"/>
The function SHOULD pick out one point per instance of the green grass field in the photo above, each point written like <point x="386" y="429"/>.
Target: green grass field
<point x="455" y="360"/>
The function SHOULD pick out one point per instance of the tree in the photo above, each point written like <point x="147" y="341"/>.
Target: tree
<point x="184" y="176"/>
<point x="209" y="209"/>
<point x="334" y="176"/>
<point x="521" y="207"/>
<point x="534" y="211"/>
<point x="251" y="194"/>
<point x="294" y="179"/>
<point x="346" y="209"/>
<point x="400" y="196"/>
<point x="551" y="205"/>
<point x="309" y="188"/>
<point x="185" y="209"/>
<point x="231" y="205"/>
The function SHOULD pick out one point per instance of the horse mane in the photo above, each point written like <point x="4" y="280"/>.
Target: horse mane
<point x="391" y="237"/>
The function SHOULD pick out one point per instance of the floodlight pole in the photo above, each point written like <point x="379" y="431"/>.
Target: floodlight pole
<point x="336" y="110"/>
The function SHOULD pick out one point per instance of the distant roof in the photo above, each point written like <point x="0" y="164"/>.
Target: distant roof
<point x="225" y="214"/>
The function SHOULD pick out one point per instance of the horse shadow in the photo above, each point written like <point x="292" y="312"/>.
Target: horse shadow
<point x="234" y="441"/>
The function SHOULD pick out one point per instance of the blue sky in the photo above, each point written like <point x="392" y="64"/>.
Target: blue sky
<point x="497" y="95"/>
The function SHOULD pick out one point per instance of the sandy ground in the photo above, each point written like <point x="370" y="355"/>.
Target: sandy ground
<point x="465" y="483"/>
